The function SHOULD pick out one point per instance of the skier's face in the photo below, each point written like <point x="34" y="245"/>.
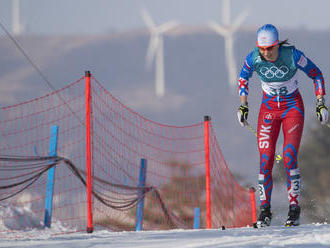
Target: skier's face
<point x="269" y="53"/>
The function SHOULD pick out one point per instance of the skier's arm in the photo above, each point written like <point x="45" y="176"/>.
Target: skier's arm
<point x="245" y="75"/>
<point x="243" y="99"/>
<point x="243" y="89"/>
<point x="311" y="70"/>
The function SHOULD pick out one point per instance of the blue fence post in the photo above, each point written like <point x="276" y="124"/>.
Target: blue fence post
<point x="140" y="205"/>
<point x="51" y="177"/>
<point x="197" y="214"/>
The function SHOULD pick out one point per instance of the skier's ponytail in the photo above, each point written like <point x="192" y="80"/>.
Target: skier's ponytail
<point x="284" y="42"/>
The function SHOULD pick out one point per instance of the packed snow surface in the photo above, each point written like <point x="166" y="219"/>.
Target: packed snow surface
<point x="20" y="227"/>
<point x="311" y="235"/>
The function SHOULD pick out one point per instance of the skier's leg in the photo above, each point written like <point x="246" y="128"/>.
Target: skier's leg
<point x="293" y="124"/>
<point x="292" y="132"/>
<point x="268" y="130"/>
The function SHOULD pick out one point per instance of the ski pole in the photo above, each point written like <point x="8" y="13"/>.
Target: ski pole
<point x="278" y="156"/>
<point x="250" y="128"/>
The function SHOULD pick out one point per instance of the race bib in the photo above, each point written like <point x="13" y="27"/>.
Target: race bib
<point x="280" y="88"/>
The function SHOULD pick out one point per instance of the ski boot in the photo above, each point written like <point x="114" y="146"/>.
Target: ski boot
<point x="265" y="217"/>
<point x="293" y="216"/>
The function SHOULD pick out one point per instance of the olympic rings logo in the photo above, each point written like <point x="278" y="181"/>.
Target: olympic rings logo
<point x="274" y="71"/>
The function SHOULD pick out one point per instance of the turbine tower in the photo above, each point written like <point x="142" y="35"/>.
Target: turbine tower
<point x="227" y="30"/>
<point x="156" y="50"/>
<point x="16" y="17"/>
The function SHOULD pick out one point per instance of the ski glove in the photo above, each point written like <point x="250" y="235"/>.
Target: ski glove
<point x="321" y="111"/>
<point x="242" y="114"/>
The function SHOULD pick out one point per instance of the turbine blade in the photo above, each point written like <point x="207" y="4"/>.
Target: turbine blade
<point x="226" y="12"/>
<point x="147" y="19"/>
<point x="240" y="19"/>
<point x="165" y="27"/>
<point x="218" y="28"/>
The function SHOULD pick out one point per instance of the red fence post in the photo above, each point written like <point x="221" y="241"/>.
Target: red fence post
<point x="207" y="171"/>
<point x="88" y="152"/>
<point x="253" y="205"/>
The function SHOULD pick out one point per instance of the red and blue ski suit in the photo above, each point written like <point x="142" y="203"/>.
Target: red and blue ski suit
<point x="281" y="105"/>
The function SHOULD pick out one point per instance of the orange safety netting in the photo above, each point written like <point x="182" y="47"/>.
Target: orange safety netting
<point x="120" y="138"/>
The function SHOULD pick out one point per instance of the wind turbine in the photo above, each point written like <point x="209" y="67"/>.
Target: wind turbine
<point x="227" y="30"/>
<point x="156" y="50"/>
<point x="16" y="17"/>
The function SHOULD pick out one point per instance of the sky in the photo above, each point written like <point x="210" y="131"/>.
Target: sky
<point x="104" y="16"/>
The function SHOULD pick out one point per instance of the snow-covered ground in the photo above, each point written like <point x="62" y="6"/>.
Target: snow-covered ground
<point x="312" y="235"/>
<point x="24" y="229"/>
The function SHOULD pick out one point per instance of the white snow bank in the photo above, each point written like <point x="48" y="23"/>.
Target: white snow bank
<point x="21" y="222"/>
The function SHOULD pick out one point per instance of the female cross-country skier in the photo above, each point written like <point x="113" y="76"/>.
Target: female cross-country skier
<point x="276" y="64"/>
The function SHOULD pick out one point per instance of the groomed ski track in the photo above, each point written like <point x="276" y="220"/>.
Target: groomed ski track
<point x="311" y="235"/>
